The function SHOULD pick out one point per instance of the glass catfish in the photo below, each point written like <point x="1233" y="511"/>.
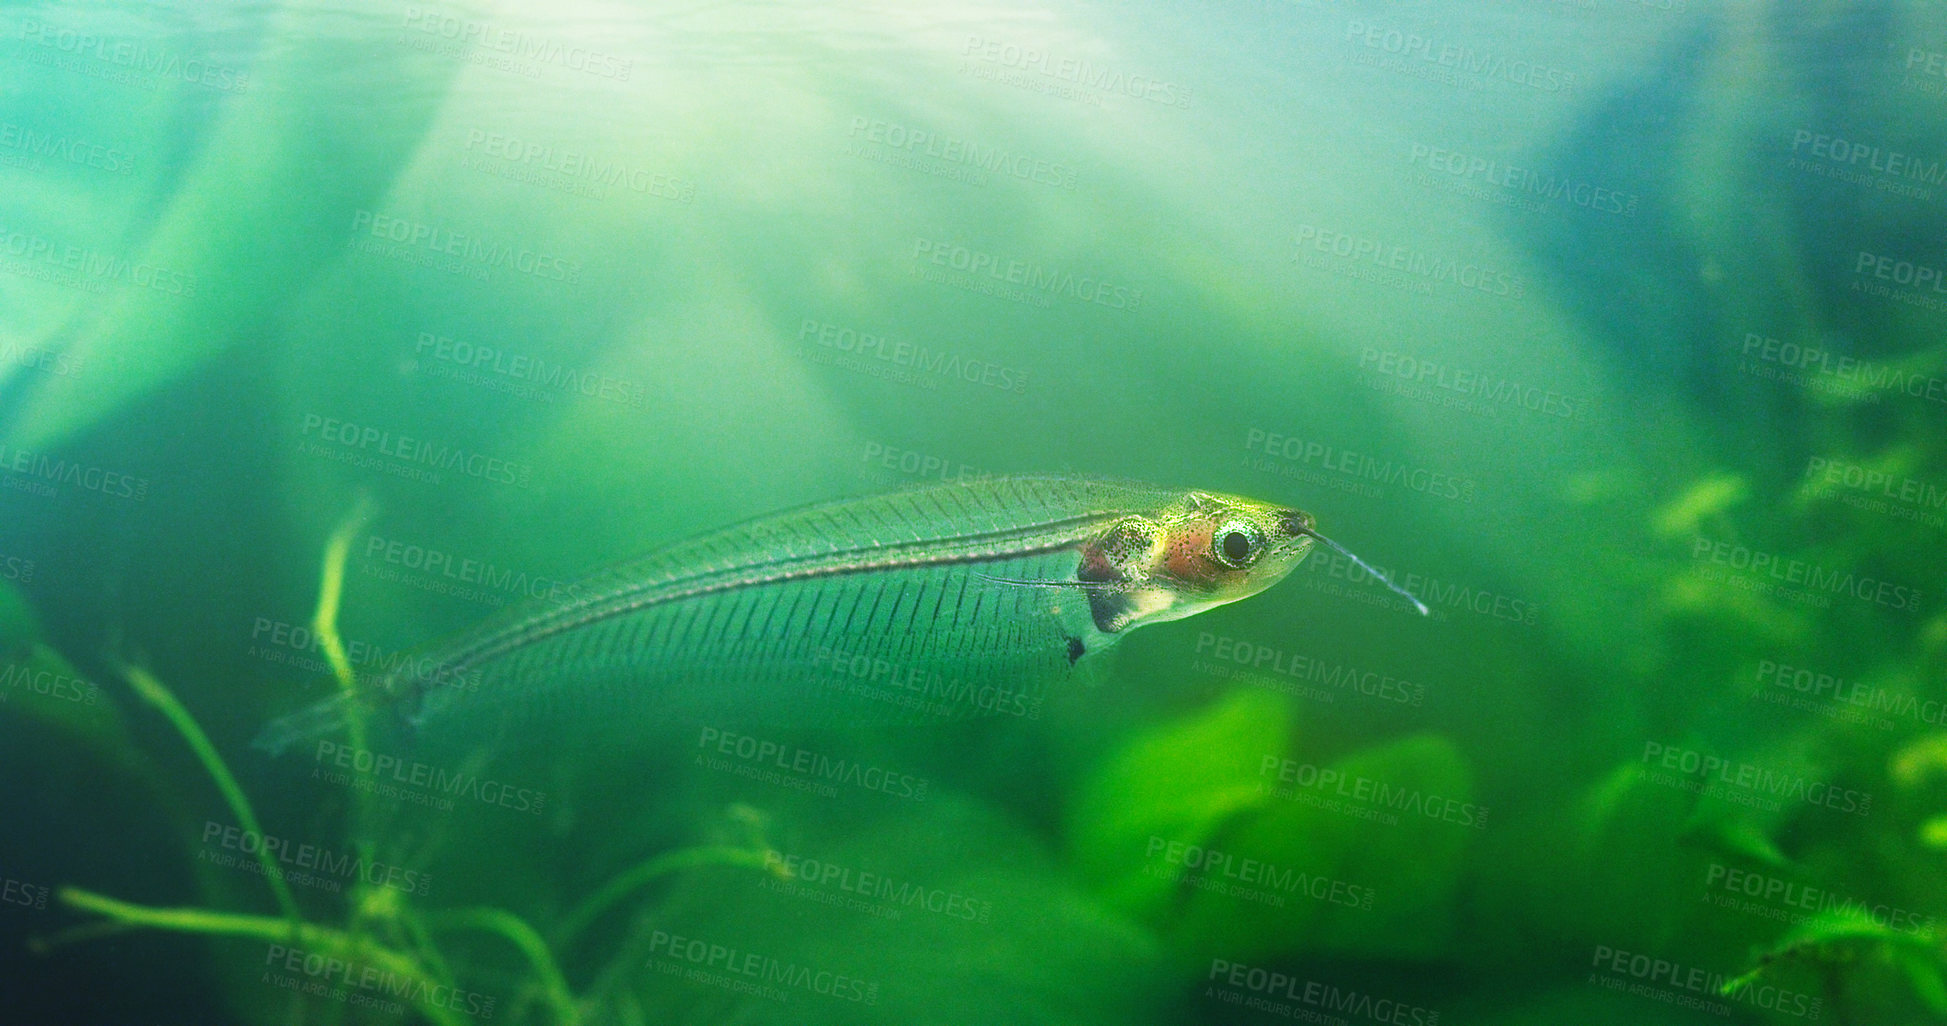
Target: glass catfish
<point x="938" y="602"/>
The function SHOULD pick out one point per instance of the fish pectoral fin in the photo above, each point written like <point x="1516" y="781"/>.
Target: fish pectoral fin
<point x="1116" y="610"/>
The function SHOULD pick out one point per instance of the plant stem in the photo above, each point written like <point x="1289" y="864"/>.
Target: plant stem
<point x="324" y="626"/>
<point x="331" y="589"/>
<point x="308" y="938"/>
<point x="524" y="937"/>
<point x="644" y="872"/>
<point x="157" y="694"/>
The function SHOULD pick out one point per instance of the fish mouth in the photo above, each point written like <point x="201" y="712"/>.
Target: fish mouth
<point x="1297" y="522"/>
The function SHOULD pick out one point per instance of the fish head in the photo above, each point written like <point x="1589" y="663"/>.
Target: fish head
<point x="1221" y="548"/>
<point x="1197" y="552"/>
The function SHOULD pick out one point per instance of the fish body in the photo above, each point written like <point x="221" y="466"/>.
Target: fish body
<point x="935" y="603"/>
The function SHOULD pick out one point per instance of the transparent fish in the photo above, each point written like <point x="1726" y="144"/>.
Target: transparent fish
<point x="936" y="603"/>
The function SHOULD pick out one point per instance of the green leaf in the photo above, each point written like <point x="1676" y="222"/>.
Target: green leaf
<point x="1933" y="833"/>
<point x="1843" y="935"/>
<point x="1365" y="858"/>
<point x="1176" y="784"/>
<point x="19" y="627"/>
<point x="49" y="708"/>
<point x="938" y="912"/>
<point x="1705" y="499"/>
<point x="43" y="693"/>
<point x="1920" y="760"/>
<point x="1850" y="924"/>
<point x="1636" y="836"/>
<point x="1923" y="973"/>
<point x="1735" y="830"/>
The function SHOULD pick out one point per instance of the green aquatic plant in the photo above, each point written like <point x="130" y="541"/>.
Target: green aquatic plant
<point x="1219" y="832"/>
<point x="410" y="968"/>
<point x="1781" y="734"/>
<point x="1849" y="940"/>
<point x="382" y="931"/>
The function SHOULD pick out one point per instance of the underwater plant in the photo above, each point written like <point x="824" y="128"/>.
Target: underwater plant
<point x="383" y="950"/>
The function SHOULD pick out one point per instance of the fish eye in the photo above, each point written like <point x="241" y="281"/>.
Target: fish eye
<point x="1236" y="545"/>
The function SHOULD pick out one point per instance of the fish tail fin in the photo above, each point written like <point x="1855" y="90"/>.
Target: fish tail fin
<point x="308" y="723"/>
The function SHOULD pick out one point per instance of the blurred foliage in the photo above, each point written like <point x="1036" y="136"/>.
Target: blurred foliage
<point x="1081" y="912"/>
<point x="1322" y="867"/>
<point x="1847" y="942"/>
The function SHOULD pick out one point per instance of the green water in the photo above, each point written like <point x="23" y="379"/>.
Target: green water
<point x="1613" y="331"/>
